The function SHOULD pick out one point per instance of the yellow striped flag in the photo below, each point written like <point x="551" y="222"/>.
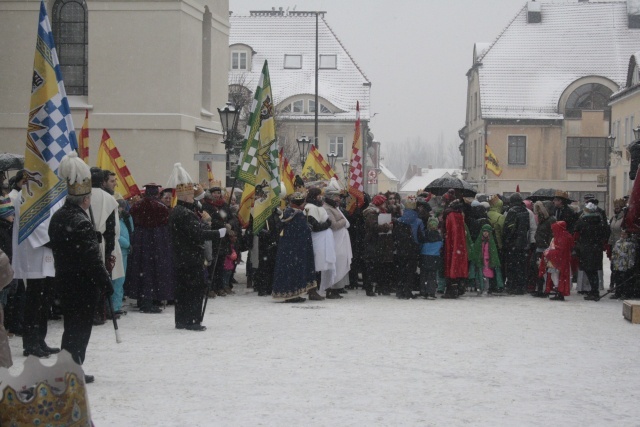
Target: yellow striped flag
<point x="109" y="158"/>
<point x="492" y="161"/>
<point x="83" y="141"/>
<point x="246" y="204"/>
<point x="210" y="175"/>
<point x="316" y="167"/>
<point x="286" y="173"/>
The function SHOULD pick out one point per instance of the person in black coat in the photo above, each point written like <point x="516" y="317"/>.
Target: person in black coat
<point x="591" y="234"/>
<point x="188" y="234"/>
<point x="515" y="241"/>
<point x="80" y="271"/>
<point x="267" y="253"/>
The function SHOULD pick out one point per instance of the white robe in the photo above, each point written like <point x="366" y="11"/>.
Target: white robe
<point x="343" y="251"/>
<point x="323" y="247"/>
<point x="31" y="259"/>
<point x="102" y="205"/>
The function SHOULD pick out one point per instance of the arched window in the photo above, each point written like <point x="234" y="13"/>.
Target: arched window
<point x="70" y="32"/>
<point x="590" y="96"/>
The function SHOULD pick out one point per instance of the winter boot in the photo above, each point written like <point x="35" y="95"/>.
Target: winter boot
<point x="314" y="295"/>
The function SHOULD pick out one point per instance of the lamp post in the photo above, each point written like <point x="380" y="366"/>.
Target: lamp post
<point x="611" y="140"/>
<point x="229" y="116"/>
<point x="634" y="152"/>
<point x="346" y="166"/>
<point x="332" y="159"/>
<point x="304" y="143"/>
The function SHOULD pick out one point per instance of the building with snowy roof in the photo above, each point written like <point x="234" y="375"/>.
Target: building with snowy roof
<point x="287" y="40"/>
<point x="416" y="179"/>
<point x="538" y="96"/>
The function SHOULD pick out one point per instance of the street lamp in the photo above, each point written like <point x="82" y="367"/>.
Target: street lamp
<point x="229" y="116"/>
<point x="332" y="159"/>
<point x="636" y="133"/>
<point x="611" y="140"/>
<point x="304" y="143"/>
<point x="346" y="167"/>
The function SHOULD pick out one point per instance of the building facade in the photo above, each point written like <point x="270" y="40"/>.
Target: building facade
<point x="287" y="40"/>
<point x="538" y="97"/>
<point x="150" y="72"/>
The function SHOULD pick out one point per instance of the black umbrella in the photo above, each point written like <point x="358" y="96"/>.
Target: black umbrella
<point x="10" y="161"/>
<point x="542" y="194"/>
<point x="441" y="185"/>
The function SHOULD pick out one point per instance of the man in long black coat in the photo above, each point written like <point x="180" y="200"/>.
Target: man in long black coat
<point x="80" y="269"/>
<point x="188" y="234"/>
<point x="515" y="241"/>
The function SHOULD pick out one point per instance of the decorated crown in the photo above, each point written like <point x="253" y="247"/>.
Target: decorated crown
<point x="76" y="174"/>
<point x="42" y="395"/>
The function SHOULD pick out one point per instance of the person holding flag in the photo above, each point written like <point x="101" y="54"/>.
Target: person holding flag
<point x="50" y="136"/>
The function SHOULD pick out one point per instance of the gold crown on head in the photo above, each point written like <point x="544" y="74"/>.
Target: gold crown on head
<point x="79" y="188"/>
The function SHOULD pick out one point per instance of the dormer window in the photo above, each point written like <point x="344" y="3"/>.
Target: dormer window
<point x="328" y="62"/>
<point x="238" y="60"/>
<point x="293" y="61"/>
<point x="323" y="108"/>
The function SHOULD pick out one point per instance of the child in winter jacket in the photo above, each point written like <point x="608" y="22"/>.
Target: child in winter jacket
<point x="230" y="261"/>
<point x="485" y="257"/>
<point x="623" y="258"/>
<point x="430" y="260"/>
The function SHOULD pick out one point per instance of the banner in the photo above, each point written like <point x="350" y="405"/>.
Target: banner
<point x="356" y="176"/>
<point x="492" y="161"/>
<point x="83" y="141"/>
<point x="316" y="167"/>
<point x="258" y="164"/>
<point x="50" y="134"/>
<point x="109" y="158"/>
<point x="286" y="173"/>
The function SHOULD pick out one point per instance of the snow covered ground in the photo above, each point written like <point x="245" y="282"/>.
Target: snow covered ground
<point x="492" y="361"/>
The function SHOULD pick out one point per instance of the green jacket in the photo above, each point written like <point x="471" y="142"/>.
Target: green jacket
<point x="497" y="221"/>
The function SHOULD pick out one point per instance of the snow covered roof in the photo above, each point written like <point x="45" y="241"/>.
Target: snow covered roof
<point x="424" y="178"/>
<point x="388" y="173"/>
<point x="527" y="68"/>
<point x="272" y="36"/>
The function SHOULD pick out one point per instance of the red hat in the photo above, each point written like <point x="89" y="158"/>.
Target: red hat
<point x="379" y="200"/>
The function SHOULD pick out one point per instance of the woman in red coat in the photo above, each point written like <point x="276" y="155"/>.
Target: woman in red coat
<point x="556" y="261"/>
<point x="456" y="258"/>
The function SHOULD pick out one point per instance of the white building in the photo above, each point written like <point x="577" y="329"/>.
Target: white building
<point x="150" y="72"/>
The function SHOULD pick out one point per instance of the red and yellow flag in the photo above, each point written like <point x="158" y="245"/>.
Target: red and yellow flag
<point x="316" y="167"/>
<point x="356" y="175"/>
<point x="286" y="173"/>
<point x="210" y="175"/>
<point x="109" y="158"/>
<point x="83" y="141"/>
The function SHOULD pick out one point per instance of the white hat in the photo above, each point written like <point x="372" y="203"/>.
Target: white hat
<point x="333" y="188"/>
<point x="181" y="181"/>
<point x="76" y="173"/>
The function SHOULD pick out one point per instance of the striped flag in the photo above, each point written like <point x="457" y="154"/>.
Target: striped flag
<point x="316" y="167"/>
<point x="286" y="173"/>
<point x="356" y="175"/>
<point x="109" y="158"/>
<point x="50" y="134"/>
<point x="83" y="141"/>
<point x="210" y="175"/>
<point x="258" y="164"/>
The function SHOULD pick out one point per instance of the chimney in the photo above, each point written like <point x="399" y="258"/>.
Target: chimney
<point x="534" y="12"/>
<point x="633" y="13"/>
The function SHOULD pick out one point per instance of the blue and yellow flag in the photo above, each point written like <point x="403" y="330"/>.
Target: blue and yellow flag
<point x="50" y="133"/>
<point x="258" y="166"/>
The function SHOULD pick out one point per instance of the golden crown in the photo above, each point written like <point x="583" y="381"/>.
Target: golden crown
<point x="79" y="188"/>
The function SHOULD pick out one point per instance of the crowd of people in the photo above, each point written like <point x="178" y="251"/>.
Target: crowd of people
<point x="156" y="250"/>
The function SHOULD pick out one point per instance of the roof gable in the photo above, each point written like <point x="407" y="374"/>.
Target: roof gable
<point x="273" y="37"/>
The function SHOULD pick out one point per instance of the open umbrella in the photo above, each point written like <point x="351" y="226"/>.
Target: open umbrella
<point x="441" y="185"/>
<point x="10" y="161"/>
<point x="542" y="194"/>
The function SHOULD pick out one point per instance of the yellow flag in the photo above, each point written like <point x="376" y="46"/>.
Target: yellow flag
<point x="316" y="167"/>
<point x="492" y="161"/>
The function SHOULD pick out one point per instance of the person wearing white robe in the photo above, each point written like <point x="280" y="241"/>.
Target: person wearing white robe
<point x="342" y="242"/>
<point x="323" y="243"/>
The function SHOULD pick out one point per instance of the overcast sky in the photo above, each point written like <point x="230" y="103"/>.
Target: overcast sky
<point x="415" y="53"/>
